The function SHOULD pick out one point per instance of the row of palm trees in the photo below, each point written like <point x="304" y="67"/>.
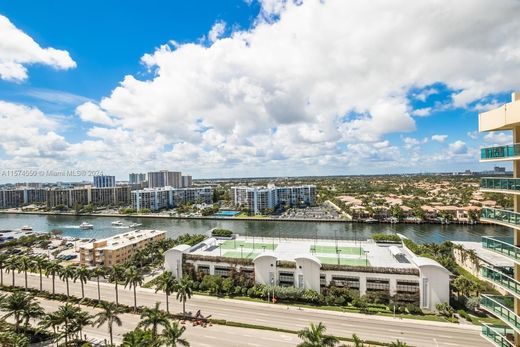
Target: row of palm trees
<point x="69" y="321"/>
<point x="130" y="277"/>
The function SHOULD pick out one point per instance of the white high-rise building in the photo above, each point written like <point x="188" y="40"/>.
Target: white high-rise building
<point x="259" y="199"/>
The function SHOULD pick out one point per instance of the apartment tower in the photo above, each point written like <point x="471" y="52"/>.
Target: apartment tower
<point x="504" y="307"/>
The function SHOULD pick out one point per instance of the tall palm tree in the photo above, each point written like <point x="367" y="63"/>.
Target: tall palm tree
<point x="98" y="272"/>
<point x="11" y="265"/>
<point x="15" y="305"/>
<point x="171" y="335"/>
<point x="66" y="315"/>
<point x="40" y="264"/>
<point x="108" y="315"/>
<point x="24" y="265"/>
<point x="167" y="283"/>
<point x="53" y="268"/>
<point x="314" y="336"/>
<point x="51" y="320"/>
<point x="82" y="320"/>
<point x="83" y="275"/>
<point x="66" y="273"/>
<point x="32" y="310"/>
<point x="116" y="275"/>
<point x="133" y="278"/>
<point x="138" y="338"/>
<point x="153" y="317"/>
<point x="3" y="260"/>
<point x="357" y="341"/>
<point x="184" y="290"/>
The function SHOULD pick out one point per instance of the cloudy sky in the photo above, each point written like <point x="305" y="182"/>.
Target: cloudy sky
<point x="253" y="88"/>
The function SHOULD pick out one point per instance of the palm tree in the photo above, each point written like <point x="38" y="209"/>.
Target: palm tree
<point x="66" y="273"/>
<point x="116" y="275"/>
<point x="66" y="315"/>
<point x="314" y="336"/>
<point x="11" y="265"/>
<point x="40" y="264"/>
<point x="98" y="272"/>
<point x="51" y="320"/>
<point x="167" y="283"/>
<point x="53" y="268"/>
<point x="153" y="317"/>
<point x="32" y="310"/>
<point x="24" y="264"/>
<point x="83" y="274"/>
<point x="398" y="344"/>
<point x="3" y="263"/>
<point x="15" y="305"/>
<point x="357" y="341"/>
<point x="138" y="338"/>
<point x="109" y="315"/>
<point x="184" y="290"/>
<point x="133" y="278"/>
<point x="171" y="335"/>
<point x="82" y="320"/>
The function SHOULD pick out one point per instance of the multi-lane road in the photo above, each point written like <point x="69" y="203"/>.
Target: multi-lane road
<point x="375" y="328"/>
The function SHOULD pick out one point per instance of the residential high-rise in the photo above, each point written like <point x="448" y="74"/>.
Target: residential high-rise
<point x="104" y="181"/>
<point x="156" y="199"/>
<point x="164" y="178"/>
<point x="187" y="181"/>
<point x="136" y="178"/>
<point x="506" y="308"/>
<point x="260" y="199"/>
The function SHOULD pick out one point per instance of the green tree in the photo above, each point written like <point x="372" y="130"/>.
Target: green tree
<point x="153" y="317"/>
<point x="138" y="338"/>
<point x="462" y="285"/>
<point x="32" y="310"/>
<point x="66" y="273"/>
<point x="66" y="316"/>
<point x="357" y="341"/>
<point x="314" y="336"/>
<point x="15" y="305"/>
<point x="99" y="272"/>
<point x="82" y="320"/>
<point x="51" y="320"/>
<point x="109" y="315"/>
<point x="11" y="265"/>
<point x="24" y="265"/>
<point x="83" y="275"/>
<point x="116" y="275"/>
<point x="53" y="268"/>
<point x="3" y="261"/>
<point x="171" y="335"/>
<point x="167" y="283"/>
<point x="11" y="339"/>
<point x="184" y="290"/>
<point x="133" y="278"/>
<point x="398" y="343"/>
<point x="40" y="264"/>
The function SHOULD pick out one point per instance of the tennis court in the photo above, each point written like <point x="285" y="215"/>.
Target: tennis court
<point x="232" y="244"/>
<point x="344" y="261"/>
<point x="245" y="255"/>
<point x="332" y="249"/>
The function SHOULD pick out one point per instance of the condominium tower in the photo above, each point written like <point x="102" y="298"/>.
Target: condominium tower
<point x="164" y="178"/>
<point x="506" y="308"/>
<point x="104" y="181"/>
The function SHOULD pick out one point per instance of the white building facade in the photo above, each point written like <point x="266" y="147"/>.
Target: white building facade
<point x="156" y="199"/>
<point x="259" y="199"/>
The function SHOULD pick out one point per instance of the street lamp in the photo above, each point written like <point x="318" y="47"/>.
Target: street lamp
<point x="338" y="251"/>
<point x="241" y="251"/>
<point x="366" y="258"/>
<point x="220" y="249"/>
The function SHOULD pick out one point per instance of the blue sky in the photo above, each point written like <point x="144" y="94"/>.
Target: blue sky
<point x="252" y="88"/>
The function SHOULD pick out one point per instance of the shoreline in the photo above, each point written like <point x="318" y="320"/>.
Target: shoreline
<point x="266" y="219"/>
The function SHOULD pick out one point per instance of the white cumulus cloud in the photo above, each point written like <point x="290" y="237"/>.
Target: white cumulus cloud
<point x="439" y="138"/>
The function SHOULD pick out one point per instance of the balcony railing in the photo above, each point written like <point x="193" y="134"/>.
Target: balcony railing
<point x="508" y="184"/>
<point x="502" y="245"/>
<point x="501" y="279"/>
<point x="502" y="307"/>
<point x="498" y="335"/>
<point x="500" y="152"/>
<point x="509" y="218"/>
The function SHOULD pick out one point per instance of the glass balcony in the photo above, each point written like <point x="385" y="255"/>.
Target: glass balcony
<point x="502" y="280"/>
<point x="500" y="152"/>
<point x="502" y="307"/>
<point x="502" y="245"/>
<point x="498" y="335"/>
<point x="505" y="217"/>
<point x="508" y="184"/>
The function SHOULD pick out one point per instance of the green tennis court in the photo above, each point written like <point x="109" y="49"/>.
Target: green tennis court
<point x="245" y="255"/>
<point x="344" y="261"/>
<point x="230" y="244"/>
<point x="332" y="249"/>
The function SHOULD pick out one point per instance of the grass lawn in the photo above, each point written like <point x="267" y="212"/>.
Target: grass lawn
<point x="256" y="216"/>
<point x="332" y="249"/>
<point x="235" y="254"/>
<point x="344" y="261"/>
<point x="230" y="244"/>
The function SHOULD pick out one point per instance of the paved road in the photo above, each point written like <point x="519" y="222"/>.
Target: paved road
<point x="384" y="329"/>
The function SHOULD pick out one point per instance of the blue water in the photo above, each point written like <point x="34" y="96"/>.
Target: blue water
<point x="226" y="213"/>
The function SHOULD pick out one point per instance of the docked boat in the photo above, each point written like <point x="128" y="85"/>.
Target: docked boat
<point x="135" y="225"/>
<point x="26" y="228"/>
<point x="371" y="220"/>
<point x="117" y="223"/>
<point x="86" y="226"/>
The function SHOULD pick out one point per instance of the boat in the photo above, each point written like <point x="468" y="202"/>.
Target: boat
<point x="26" y="228"/>
<point x="135" y="225"/>
<point x="86" y="226"/>
<point x="117" y="223"/>
<point x="370" y="220"/>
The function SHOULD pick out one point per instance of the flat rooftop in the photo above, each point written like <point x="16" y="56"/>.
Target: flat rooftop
<point x="353" y="253"/>
<point x="486" y="255"/>
<point x="124" y="239"/>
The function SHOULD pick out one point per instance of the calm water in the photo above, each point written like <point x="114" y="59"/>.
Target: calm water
<point x="102" y="228"/>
